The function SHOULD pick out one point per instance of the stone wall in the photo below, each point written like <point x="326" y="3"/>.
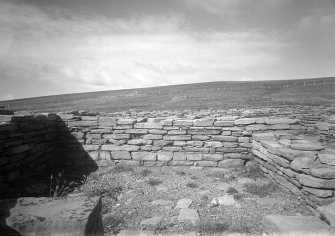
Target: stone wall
<point x="80" y="141"/>
<point x="305" y="168"/>
<point x="326" y="130"/>
<point x="26" y="143"/>
<point x="138" y="139"/>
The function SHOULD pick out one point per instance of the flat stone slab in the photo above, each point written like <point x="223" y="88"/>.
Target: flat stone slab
<point x="278" y="225"/>
<point x="327" y="158"/>
<point x="135" y="232"/>
<point x="328" y="212"/>
<point x="306" y="145"/>
<point x="267" y="201"/>
<point x="75" y="215"/>
<point x="189" y="215"/>
<point x="324" y="172"/>
<point x="184" y="203"/>
<point x="226" y="200"/>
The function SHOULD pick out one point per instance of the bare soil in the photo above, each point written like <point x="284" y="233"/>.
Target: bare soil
<point x="128" y="194"/>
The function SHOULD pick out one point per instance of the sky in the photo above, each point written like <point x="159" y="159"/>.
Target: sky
<point x="67" y="46"/>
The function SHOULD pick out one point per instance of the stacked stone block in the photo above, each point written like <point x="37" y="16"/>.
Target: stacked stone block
<point x="326" y="130"/>
<point x="157" y="141"/>
<point x="307" y="169"/>
<point x="156" y="138"/>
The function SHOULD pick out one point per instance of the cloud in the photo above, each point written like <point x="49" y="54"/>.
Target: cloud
<point x="245" y="79"/>
<point x="69" y="51"/>
<point x="139" y="51"/>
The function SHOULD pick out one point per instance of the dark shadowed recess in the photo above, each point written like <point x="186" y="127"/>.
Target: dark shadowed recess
<point x="63" y="166"/>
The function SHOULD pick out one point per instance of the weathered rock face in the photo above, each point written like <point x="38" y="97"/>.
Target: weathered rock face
<point x="76" y="215"/>
<point x="307" y="171"/>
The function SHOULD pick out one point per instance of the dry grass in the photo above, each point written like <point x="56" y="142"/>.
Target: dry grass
<point x="213" y="226"/>
<point x="260" y="190"/>
<point x="113" y="223"/>
<point x="122" y="168"/>
<point x="154" y="182"/>
<point x="145" y="172"/>
<point x="127" y="200"/>
<point x="101" y="185"/>
<point x="191" y="184"/>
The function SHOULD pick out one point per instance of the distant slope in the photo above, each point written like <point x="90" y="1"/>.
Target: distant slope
<point x="215" y="95"/>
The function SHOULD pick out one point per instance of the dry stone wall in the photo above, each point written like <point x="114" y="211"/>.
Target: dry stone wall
<point x="171" y="140"/>
<point x="326" y="129"/>
<point x="305" y="168"/>
<point x="26" y="143"/>
<point x="83" y="140"/>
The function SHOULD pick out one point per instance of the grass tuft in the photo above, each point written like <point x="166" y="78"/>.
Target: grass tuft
<point x="179" y="172"/>
<point x="209" y="226"/>
<point x="145" y="172"/>
<point x="260" y="190"/>
<point x="253" y="172"/>
<point x="154" y="182"/>
<point x="122" y="168"/>
<point x="219" y="175"/>
<point x="59" y="186"/>
<point x="191" y="184"/>
<point x="113" y="223"/>
<point x="102" y="186"/>
<point x="231" y="191"/>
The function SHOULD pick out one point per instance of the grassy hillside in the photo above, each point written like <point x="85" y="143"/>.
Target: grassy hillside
<point x="215" y="95"/>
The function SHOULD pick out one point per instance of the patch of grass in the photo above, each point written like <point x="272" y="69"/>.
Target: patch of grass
<point x="103" y="186"/>
<point x="231" y="191"/>
<point x="240" y="225"/>
<point x="260" y="190"/>
<point x="217" y="175"/>
<point x="145" y="172"/>
<point x="122" y="168"/>
<point x="193" y="177"/>
<point x="253" y="172"/>
<point x="179" y="172"/>
<point x="238" y="196"/>
<point x="191" y="184"/>
<point x="113" y="223"/>
<point x="210" y="226"/>
<point x="154" y="182"/>
<point x="204" y="197"/>
<point x="59" y="186"/>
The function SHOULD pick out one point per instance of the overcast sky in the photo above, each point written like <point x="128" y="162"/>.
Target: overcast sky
<point x="64" y="46"/>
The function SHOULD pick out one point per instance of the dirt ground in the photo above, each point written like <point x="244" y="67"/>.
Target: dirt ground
<point x="226" y="201"/>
